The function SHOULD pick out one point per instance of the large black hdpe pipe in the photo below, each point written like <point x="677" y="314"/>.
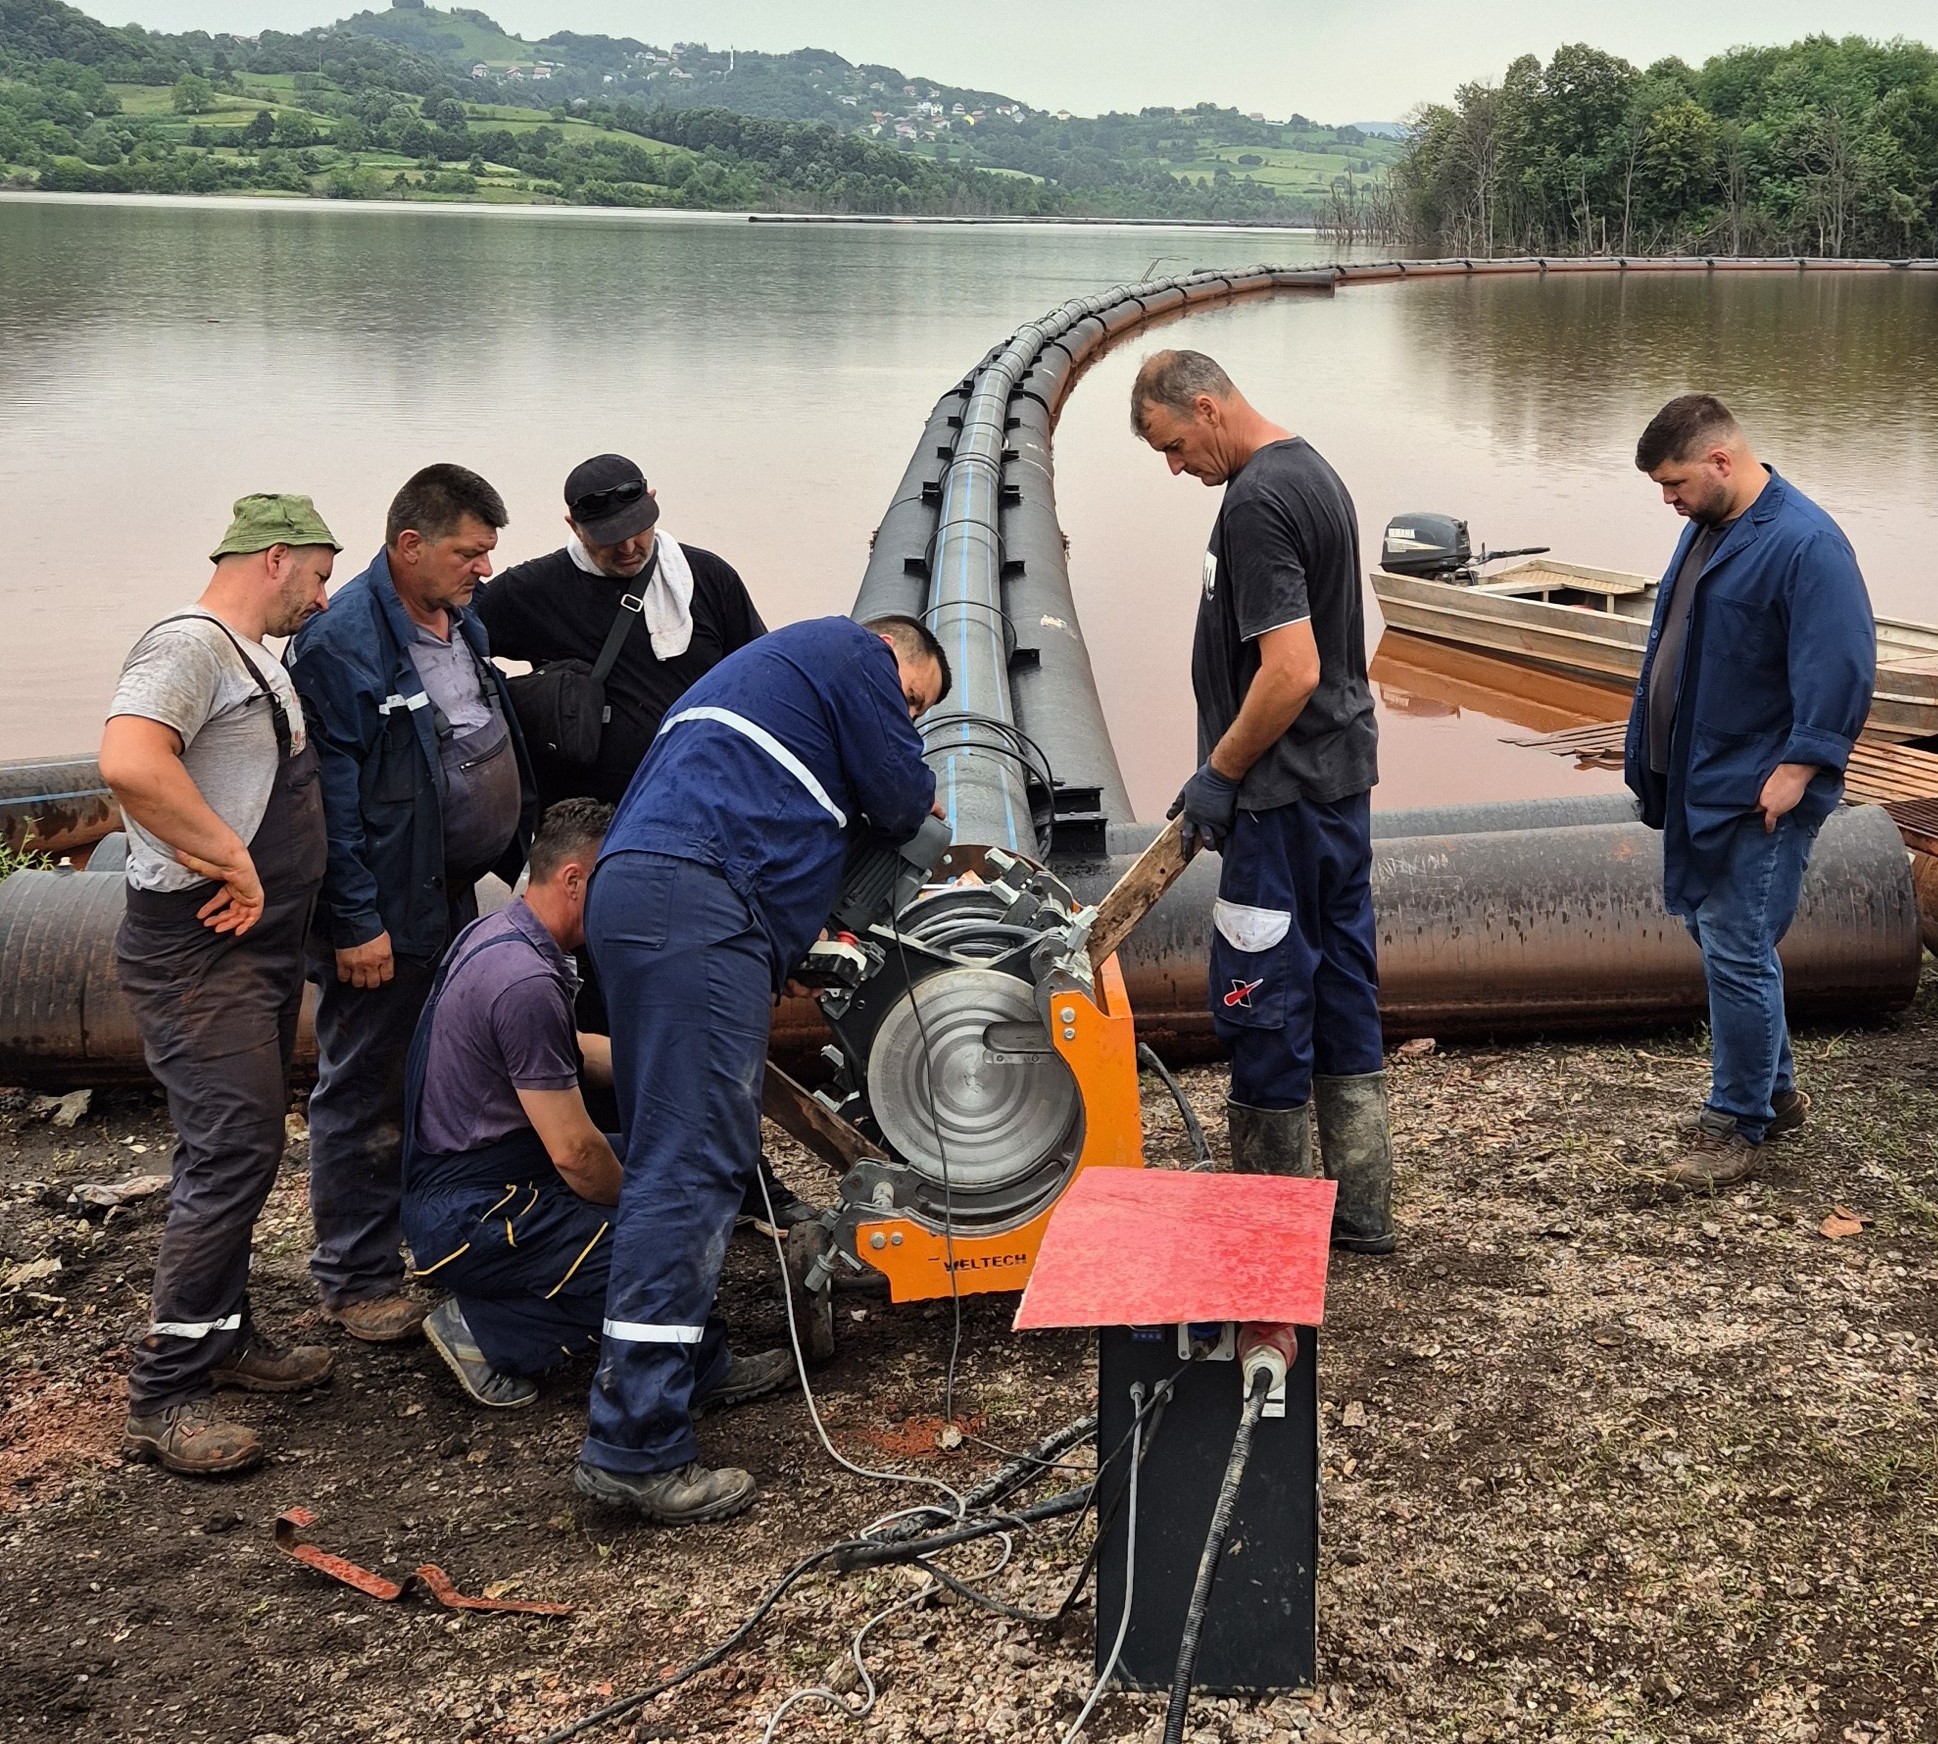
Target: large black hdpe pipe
<point x="1529" y="928"/>
<point x="49" y="806"/>
<point x="1538" y="929"/>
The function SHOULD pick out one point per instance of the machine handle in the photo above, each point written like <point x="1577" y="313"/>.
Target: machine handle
<point x="1135" y="894"/>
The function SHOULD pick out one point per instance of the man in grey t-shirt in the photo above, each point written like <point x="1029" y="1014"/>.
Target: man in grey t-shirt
<point x="206" y="752"/>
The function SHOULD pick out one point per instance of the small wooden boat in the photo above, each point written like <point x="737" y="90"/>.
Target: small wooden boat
<point x="1595" y="623"/>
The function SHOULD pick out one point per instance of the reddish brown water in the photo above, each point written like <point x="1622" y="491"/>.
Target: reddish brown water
<point x="158" y="359"/>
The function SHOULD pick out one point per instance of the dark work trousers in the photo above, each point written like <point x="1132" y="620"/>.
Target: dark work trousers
<point x="689" y="981"/>
<point x="1294" y="975"/>
<point x="525" y="1256"/>
<point x="357" y="1126"/>
<point x="217" y="1016"/>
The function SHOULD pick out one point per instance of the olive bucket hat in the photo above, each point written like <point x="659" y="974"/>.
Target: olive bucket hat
<point x="276" y="518"/>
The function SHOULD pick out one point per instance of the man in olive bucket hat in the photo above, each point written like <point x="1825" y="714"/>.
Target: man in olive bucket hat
<point x="206" y="752"/>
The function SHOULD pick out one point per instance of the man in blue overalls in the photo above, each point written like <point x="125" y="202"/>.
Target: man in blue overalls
<point x="1288" y="750"/>
<point x="719" y="870"/>
<point x="1756" y="682"/>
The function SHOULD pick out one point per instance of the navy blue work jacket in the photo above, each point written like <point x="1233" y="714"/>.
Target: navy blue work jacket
<point x="1777" y="668"/>
<point x="771" y="763"/>
<point x="383" y="783"/>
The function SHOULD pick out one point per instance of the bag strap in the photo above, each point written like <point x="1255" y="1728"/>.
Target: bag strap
<point x="632" y="607"/>
<point x="278" y="719"/>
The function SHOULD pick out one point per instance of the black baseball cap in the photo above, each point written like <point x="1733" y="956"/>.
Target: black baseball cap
<point x="607" y="499"/>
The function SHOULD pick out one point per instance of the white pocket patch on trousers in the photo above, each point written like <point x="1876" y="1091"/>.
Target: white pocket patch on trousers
<point x="1250" y="929"/>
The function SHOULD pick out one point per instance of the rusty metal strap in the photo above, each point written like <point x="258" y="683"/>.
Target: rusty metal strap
<point x="427" y="1576"/>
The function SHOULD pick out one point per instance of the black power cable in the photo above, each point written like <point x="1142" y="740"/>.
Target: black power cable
<point x="1194" y="1618"/>
<point x="1192" y="1130"/>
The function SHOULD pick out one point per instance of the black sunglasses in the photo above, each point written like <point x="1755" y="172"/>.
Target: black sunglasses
<point x="596" y="505"/>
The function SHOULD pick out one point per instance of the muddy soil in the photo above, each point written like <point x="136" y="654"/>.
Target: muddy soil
<point x="1599" y="1465"/>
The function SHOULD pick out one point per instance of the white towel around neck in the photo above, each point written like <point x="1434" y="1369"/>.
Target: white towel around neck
<point x="668" y="605"/>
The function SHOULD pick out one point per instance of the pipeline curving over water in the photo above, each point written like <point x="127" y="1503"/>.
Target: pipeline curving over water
<point x="1510" y="919"/>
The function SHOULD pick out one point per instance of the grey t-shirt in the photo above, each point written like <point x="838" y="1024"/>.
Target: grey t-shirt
<point x="1666" y="671"/>
<point x="188" y="675"/>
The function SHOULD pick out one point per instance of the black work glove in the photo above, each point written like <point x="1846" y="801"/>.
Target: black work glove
<point x="1209" y="803"/>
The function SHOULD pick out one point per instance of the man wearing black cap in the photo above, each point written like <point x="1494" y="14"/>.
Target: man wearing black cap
<point x="624" y="602"/>
<point x="682" y="610"/>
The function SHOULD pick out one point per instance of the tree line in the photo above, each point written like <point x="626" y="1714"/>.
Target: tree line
<point x="1820" y="147"/>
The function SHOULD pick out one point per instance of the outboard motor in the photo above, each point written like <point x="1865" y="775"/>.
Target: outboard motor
<point x="1437" y="548"/>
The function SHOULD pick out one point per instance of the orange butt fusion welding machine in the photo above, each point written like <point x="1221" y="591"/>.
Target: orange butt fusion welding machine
<point x="981" y="1062"/>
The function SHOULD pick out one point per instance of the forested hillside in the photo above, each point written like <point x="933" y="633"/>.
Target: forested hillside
<point x="416" y="102"/>
<point x="1823" y="147"/>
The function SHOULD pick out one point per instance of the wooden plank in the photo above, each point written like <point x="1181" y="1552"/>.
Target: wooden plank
<point x="815" y="1126"/>
<point x="1135" y="894"/>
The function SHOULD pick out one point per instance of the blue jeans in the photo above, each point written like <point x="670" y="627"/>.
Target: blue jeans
<point x="1737" y="927"/>
<point x="689" y="983"/>
<point x="1294" y="970"/>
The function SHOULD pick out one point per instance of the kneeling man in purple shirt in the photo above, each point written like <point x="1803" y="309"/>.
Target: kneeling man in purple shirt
<point x="508" y="1183"/>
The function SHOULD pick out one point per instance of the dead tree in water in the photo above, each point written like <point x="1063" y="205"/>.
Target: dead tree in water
<point x="1358" y="211"/>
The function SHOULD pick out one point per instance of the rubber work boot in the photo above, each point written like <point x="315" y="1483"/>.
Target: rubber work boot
<point x="1717" y="1156"/>
<point x="193" y="1440"/>
<point x="747" y="1378"/>
<point x="1356" y="1147"/>
<point x="690" y="1496"/>
<point x="447" y="1333"/>
<point x="261" y="1367"/>
<point x="1270" y="1141"/>
<point x="381" y="1320"/>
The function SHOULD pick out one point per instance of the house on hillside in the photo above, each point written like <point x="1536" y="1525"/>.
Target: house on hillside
<point x="541" y="71"/>
<point x="480" y="71"/>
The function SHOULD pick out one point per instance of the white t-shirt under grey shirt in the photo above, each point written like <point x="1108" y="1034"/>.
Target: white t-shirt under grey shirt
<point x="188" y="675"/>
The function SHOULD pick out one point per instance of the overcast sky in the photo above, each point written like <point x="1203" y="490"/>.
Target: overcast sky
<point x="1334" y="60"/>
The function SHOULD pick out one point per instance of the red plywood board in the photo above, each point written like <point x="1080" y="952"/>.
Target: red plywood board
<point x="1156" y="1247"/>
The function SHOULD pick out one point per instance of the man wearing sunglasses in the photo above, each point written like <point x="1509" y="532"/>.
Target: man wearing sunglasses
<point x="677" y="612"/>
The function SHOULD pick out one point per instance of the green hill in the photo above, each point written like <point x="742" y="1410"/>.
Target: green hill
<point x="417" y="101"/>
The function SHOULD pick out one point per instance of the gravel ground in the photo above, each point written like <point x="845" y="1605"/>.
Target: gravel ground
<point x="1599" y="1464"/>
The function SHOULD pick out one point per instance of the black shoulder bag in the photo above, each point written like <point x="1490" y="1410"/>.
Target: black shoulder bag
<point x="562" y="706"/>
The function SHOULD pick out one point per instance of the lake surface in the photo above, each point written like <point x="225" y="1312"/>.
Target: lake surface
<point x="158" y="359"/>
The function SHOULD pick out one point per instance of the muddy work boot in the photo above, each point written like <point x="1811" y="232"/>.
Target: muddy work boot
<point x="747" y="1378"/>
<point x="1356" y="1147"/>
<point x="192" y="1439"/>
<point x="261" y="1367"/>
<point x="1269" y="1141"/>
<point x="1717" y="1156"/>
<point x="449" y="1334"/>
<point x="381" y="1320"/>
<point x="690" y="1496"/>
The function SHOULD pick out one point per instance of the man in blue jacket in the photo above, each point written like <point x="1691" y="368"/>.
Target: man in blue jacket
<point x="720" y="869"/>
<point x="1755" y="684"/>
<point x="426" y="787"/>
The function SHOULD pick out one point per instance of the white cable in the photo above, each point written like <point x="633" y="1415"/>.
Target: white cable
<point x="821" y="1693"/>
<point x="807" y="1392"/>
<point x="1130" y="1573"/>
